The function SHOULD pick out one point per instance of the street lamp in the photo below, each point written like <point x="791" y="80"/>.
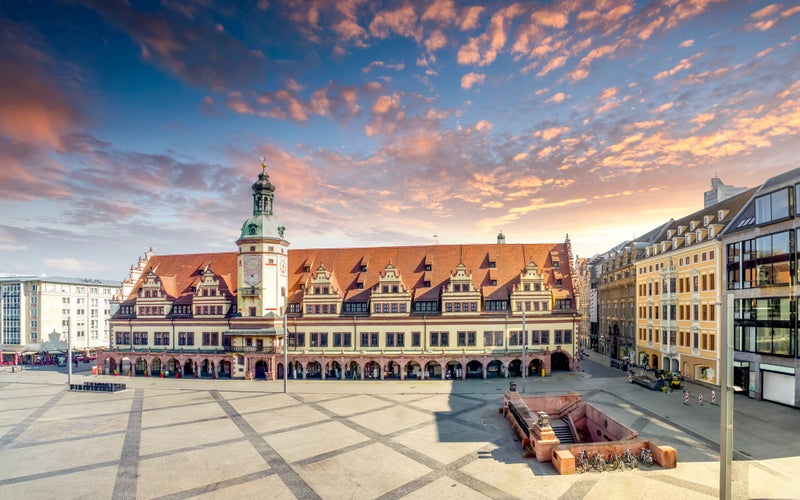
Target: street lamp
<point x="285" y="353"/>
<point x="524" y="352"/>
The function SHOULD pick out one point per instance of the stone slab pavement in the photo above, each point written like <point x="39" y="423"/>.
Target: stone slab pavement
<point x="199" y="438"/>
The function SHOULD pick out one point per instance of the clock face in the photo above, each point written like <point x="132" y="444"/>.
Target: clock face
<point x="283" y="267"/>
<point x="252" y="269"/>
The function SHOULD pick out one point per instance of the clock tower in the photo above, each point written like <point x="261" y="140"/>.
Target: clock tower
<point x="263" y="256"/>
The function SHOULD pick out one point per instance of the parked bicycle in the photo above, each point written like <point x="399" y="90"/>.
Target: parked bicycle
<point x="612" y="462"/>
<point x="582" y="462"/>
<point x="629" y="460"/>
<point x="597" y="462"/>
<point x="646" y="457"/>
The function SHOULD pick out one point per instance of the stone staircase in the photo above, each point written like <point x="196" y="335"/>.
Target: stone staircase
<point x="561" y="429"/>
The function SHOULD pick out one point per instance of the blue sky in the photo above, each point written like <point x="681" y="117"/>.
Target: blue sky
<point x="129" y="125"/>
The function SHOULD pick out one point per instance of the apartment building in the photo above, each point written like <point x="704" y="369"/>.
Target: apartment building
<point x="679" y="293"/>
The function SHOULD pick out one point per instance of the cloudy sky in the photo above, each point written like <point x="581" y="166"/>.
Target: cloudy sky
<point x="133" y="124"/>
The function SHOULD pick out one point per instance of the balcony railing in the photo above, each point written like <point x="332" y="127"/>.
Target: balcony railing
<point x="252" y="349"/>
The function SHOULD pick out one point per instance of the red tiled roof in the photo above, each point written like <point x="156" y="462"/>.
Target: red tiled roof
<point x="179" y="273"/>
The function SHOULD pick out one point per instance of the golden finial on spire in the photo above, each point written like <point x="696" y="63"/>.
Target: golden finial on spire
<point x="263" y="164"/>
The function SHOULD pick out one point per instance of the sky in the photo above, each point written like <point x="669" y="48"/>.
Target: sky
<point x="129" y="125"/>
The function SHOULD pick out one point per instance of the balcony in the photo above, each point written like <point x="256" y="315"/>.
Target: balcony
<point x="249" y="292"/>
<point x="672" y="350"/>
<point x="252" y="349"/>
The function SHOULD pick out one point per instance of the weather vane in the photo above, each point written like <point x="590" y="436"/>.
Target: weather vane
<point x="263" y="164"/>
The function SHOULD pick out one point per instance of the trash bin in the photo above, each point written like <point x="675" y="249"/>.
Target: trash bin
<point x="512" y="386"/>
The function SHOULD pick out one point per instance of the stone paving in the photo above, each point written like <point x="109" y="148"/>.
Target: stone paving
<point x="173" y="439"/>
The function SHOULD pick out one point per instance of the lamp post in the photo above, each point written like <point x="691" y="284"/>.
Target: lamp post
<point x="524" y="352"/>
<point x="574" y="363"/>
<point x="69" y="355"/>
<point x="285" y="353"/>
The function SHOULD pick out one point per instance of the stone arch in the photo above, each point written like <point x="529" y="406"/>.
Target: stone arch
<point x="535" y="367"/>
<point x="474" y="369"/>
<point x="156" y="367"/>
<point x="225" y="369"/>
<point x="495" y="369"/>
<point x="333" y="369"/>
<point x="372" y="370"/>
<point x="391" y="369"/>
<point x="140" y="366"/>
<point x="515" y="368"/>
<point x="261" y="369"/>
<point x="352" y="370"/>
<point x="559" y="361"/>
<point x="413" y="369"/>
<point x="313" y="369"/>
<point x="454" y="369"/>
<point x="433" y="369"/>
<point x="125" y="366"/>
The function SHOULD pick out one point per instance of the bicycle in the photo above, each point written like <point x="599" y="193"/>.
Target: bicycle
<point x="597" y="462"/>
<point x="582" y="462"/>
<point x="646" y="457"/>
<point x="612" y="463"/>
<point x="629" y="460"/>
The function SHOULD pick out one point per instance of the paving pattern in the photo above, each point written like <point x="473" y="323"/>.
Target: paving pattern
<point x="175" y="439"/>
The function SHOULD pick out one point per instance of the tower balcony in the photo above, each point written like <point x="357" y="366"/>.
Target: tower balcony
<point x="249" y="292"/>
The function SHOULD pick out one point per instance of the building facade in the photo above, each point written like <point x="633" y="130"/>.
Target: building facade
<point x="615" y="283"/>
<point x="761" y="248"/>
<point x="679" y="293"/>
<point x="33" y="307"/>
<point x="437" y="311"/>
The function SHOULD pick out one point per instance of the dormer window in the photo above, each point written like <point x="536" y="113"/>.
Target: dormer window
<point x="428" y="267"/>
<point x="706" y="220"/>
<point x="360" y="285"/>
<point x="492" y="264"/>
<point x="307" y="269"/>
<point x="721" y="215"/>
<point x="426" y="283"/>
<point x="363" y="268"/>
<point x="555" y="264"/>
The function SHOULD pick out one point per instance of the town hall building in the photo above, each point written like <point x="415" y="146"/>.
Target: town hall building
<point x="396" y="312"/>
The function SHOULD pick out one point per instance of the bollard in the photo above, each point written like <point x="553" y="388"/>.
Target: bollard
<point x="700" y="399"/>
<point x="713" y="397"/>
<point x="686" y="397"/>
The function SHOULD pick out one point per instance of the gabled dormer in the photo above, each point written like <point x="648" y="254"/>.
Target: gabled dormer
<point x="151" y="286"/>
<point x="390" y="295"/>
<point x="208" y="284"/>
<point x="321" y="295"/>
<point x="460" y="294"/>
<point x="531" y="295"/>
<point x="322" y="283"/>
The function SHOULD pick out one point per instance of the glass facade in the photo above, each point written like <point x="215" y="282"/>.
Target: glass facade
<point x="764" y="261"/>
<point x="766" y="326"/>
<point x="10" y="295"/>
